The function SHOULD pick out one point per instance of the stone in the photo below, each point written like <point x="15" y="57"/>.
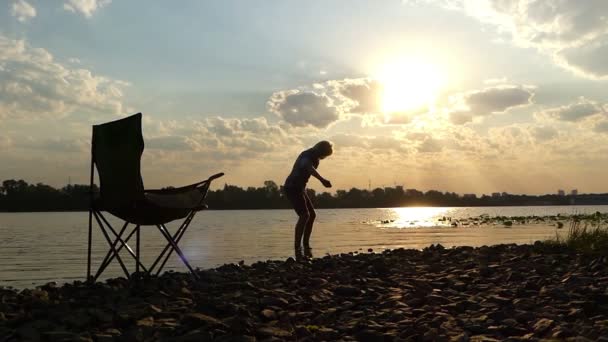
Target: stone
<point x="347" y="291"/>
<point x="273" y="331"/>
<point x="199" y="319"/>
<point x="542" y="326"/>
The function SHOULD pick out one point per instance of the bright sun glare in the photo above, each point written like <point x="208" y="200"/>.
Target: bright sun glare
<point x="409" y="84"/>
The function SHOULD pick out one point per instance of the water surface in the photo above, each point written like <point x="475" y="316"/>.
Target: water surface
<point x="36" y="248"/>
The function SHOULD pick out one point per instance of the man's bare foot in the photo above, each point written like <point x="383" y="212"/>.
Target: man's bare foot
<point x="308" y="252"/>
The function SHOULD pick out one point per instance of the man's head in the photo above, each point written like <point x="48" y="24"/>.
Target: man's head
<point x="324" y="149"/>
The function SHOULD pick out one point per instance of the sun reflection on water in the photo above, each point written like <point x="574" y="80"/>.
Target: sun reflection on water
<point x="415" y="217"/>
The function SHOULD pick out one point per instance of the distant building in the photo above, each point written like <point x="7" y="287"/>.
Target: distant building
<point x="561" y="192"/>
<point x="504" y="194"/>
<point x="469" y="196"/>
<point x="574" y="192"/>
<point x="496" y="194"/>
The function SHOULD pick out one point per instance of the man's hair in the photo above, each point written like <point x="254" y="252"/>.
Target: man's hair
<point x="324" y="148"/>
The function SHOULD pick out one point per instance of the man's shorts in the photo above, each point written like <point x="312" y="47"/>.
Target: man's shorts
<point x="299" y="200"/>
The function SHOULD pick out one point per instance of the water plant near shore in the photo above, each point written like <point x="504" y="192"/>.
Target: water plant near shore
<point x="588" y="236"/>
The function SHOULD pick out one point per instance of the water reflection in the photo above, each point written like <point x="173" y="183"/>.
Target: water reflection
<point x="421" y="217"/>
<point x="40" y="247"/>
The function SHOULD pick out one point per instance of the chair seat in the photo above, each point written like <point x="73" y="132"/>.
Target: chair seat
<point x="158" y="206"/>
<point x="188" y="199"/>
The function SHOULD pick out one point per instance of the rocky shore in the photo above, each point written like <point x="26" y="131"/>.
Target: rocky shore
<point x="504" y="292"/>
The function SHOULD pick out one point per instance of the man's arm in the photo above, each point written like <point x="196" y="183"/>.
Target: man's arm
<point x="314" y="173"/>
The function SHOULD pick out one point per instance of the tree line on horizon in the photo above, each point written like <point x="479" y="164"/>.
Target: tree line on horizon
<point x="19" y="196"/>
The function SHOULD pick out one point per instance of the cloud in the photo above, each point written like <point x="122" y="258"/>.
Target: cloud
<point x="304" y="108"/>
<point x="574" y="33"/>
<point x="601" y="126"/>
<point x="220" y="138"/>
<point x="85" y="7"/>
<point x="5" y="142"/>
<point x="493" y="100"/>
<point x="574" y="112"/>
<point x="171" y="142"/>
<point x="430" y="145"/>
<point x="23" y="11"/>
<point x="53" y="144"/>
<point x="34" y="85"/>
<point x="322" y="104"/>
<point x="359" y="95"/>
<point x="543" y="133"/>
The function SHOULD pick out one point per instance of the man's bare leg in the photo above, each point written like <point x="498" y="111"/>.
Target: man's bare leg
<point x="308" y="229"/>
<point x="300" y="226"/>
<point x="309" y="223"/>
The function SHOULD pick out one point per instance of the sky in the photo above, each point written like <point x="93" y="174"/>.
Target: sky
<point x="469" y="96"/>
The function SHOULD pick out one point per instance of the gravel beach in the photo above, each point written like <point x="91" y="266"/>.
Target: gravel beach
<point x="496" y="293"/>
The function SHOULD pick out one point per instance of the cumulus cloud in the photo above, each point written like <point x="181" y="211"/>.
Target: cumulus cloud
<point x="430" y="145"/>
<point x="304" y="108"/>
<point x="493" y="100"/>
<point x="601" y="126"/>
<point x="222" y="138"/>
<point x="22" y="10"/>
<point x="53" y="144"/>
<point x="5" y="142"/>
<point x="380" y="144"/>
<point x="33" y="85"/>
<point x="575" y="111"/>
<point x="171" y="142"/>
<point x="322" y="104"/>
<point x="574" y="33"/>
<point x="85" y="7"/>
<point x="543" y="133"/>
<point x="360" y="95"/>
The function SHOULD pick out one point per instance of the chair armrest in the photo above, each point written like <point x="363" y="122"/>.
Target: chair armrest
<point x="184" y="188"/>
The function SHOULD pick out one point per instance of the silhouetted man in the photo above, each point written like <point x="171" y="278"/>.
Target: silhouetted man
<point x="295" y="188"/>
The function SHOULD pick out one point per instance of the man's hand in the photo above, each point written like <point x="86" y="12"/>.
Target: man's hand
<point x="326" y="183"/>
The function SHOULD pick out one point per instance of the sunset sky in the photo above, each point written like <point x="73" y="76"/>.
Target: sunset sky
<point x="470" y="96"/>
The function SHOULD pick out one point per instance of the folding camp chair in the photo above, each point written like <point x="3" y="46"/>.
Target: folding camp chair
<point x="116" y="150"/>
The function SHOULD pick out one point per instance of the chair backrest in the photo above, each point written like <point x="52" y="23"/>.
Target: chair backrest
<point x="117" y="147"/>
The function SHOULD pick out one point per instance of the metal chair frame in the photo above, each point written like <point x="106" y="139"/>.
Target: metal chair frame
<point x="117" y="243"/>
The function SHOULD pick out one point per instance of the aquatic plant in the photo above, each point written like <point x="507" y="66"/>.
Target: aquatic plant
<point x="590" y="237"/>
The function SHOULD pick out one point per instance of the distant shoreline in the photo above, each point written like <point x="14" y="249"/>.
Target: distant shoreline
<point x="406" y="206"/>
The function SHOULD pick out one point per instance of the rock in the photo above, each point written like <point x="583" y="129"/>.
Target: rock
<point x="273" y="331"/>
<point x="273" y="301"/>
<point x="103" y="338"/>
<point x="269" y="314"/>
<point x="199" y="319"/>
<point x="145" y="322"/>
<point x="542" y="326"/>
<point x="505" y="292"/>
<point x="347" y="291"/>
<point x="56" y="336"/>
<point x="194" y="336"/>
<point x="369" y="336"/>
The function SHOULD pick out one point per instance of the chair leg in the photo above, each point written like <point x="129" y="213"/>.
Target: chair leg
<point x="137" y="252"/>
<point x="90" y="243"/>
<point x="179" y="252"/>
<point x="110" y="256"/>
<point x="114" y="232"/>
<point x="177" y="235"/>
<point x="112" y="246"/>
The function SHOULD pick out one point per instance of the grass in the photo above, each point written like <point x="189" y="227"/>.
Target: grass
<point x="589" y="237"/>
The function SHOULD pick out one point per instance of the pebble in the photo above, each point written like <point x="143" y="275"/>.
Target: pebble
<point x="492" y="293"/>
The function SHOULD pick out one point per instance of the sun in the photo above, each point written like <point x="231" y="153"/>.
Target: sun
<point x="409" y="85"/>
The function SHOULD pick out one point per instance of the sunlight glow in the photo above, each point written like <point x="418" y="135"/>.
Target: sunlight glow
<point x="409" y="85"/>
<point x="407" y="217"/>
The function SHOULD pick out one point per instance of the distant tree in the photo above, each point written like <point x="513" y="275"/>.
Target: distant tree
<point x="18" y="195"/>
